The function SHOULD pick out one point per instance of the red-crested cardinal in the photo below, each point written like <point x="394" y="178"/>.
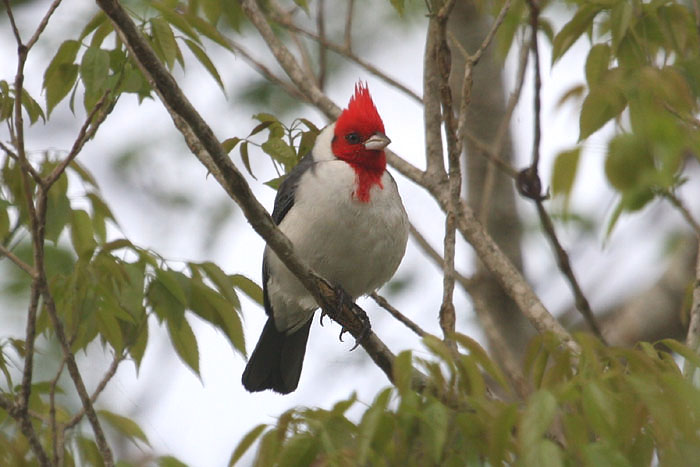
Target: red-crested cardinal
<point x="342" y="212"/>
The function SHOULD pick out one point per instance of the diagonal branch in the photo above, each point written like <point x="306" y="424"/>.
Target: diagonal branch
<point x="382" y="302"/>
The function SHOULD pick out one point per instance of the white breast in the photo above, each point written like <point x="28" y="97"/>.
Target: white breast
<point x="352" y="244"/>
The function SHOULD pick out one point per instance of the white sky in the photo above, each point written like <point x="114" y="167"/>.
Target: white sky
<point x="201" y="421"/>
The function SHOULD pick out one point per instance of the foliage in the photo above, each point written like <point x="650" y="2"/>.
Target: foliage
<point x="606" y="406"/>
<point x="621" y="406"/>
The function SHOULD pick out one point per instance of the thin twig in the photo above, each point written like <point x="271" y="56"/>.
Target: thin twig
<point x="382" y="302"/>
<point x="348" y="26"/>
<point x="18" y="140"/>
<point x="322" y="57"/>
<point x="466" y="282"/>
<point x="680" y="206"/>
<point x="537" y="133"/>
<point x="42" y="25"/>
<point x="87" y="131"/>
<point x="500" y="347"/>
<point x="491" y="155"/>
<point x="347" y="53"/>
<point x="103" y="447"/>
<point x="109" y="374"/>
<point x="693" y="337"/>
<point x="28" y="167"/>
<point x="52" y="413"/>
<point x="21" y="264"/>
<point x="441" y="65"/>
<point x="265" y="71"/>
<point x="582" y="304"/>
<point x="15" y="29"/>
<point x="432" y="115"/>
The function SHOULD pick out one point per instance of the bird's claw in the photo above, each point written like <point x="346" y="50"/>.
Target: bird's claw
<point x="320" y="319"/>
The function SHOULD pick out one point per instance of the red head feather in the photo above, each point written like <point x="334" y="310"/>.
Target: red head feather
<point x="355" y="125"/>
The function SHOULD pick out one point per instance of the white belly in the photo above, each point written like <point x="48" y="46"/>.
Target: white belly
<point x="352" y="244"/>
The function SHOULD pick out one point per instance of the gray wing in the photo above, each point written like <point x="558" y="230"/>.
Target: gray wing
<point x="285" y="194"/>
<point x="283" y="203"/>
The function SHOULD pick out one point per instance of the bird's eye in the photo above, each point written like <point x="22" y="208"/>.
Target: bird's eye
<point x="353" y="138"/>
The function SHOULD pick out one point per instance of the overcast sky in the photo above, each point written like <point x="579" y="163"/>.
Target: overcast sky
<point x="201" y="421"/>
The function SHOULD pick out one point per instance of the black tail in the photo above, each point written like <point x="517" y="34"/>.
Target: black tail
<point x="277" y="359"/>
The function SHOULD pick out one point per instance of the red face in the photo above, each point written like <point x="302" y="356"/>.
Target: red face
<point x="359" y="140"/>
<point x="355" y="126"/>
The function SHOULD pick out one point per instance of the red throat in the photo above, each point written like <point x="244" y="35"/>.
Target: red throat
<point x="360" y="119"/>
<point x="366" y="177"/>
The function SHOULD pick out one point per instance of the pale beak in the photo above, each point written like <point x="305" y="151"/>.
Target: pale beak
<point x="377" y="142"/>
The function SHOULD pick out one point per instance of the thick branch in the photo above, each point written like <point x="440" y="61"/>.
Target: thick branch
<point x="693" y="339"/>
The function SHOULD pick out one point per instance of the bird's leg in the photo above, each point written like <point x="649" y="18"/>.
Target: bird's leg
<point x="342" y="309"/>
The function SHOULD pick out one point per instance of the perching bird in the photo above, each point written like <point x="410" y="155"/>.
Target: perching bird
<point x="342" y="212"/>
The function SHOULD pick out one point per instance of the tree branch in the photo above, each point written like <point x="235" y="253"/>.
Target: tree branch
<point x="693" y="338"/>
<point x="18" y="262"/>
<point x="345" y="51"/>
<point x="382" y="302"/>
<point x="582" y="304"/>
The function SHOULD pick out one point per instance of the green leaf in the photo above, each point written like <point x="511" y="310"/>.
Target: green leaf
<point x="109" y="327"/>
<point x="262" y="125"/>
<point x="204" y="59"/>
<point x="4" y="219"/>
<point x="65" y="54"/>
<point x="248" y="287"/>
<point x="545" y="454"/>
<point x="95" y="22"/>
<point x="209" y="31"/>
<point x="32" y="108"/>
<point x="211" y="306"/>
<point x="169" y="279"/>
<point x="601" y="105"/>
<point x="124" y="425"/>
<point x="81" y="233"/>
<point x="570" y="33"/>
<point x="58" y="209"/>
<point x="564" y="172"/>
<point x="682" y="350"/>
<point x="94" y="69"/>
<point x="170" y="461"/>
<point x="230" y="143"/>
<point x="482" y="357"/>
<point x="138" y="348"/>
<point x="603" y="455"/>
<point x="281" y="152"/>
<point x="223" y="282"/>
<point x="308" y="139"/>
<point x="621" y="17"/>
<point x="246" y="443"/>
<point x="185" y="343"/>
<point x="165" y="39"/>
<point x="403" y="371"/>
<point x="275" y="182"/>
<point x="435" y="429"/>
<point x="536" y="418"/>
<point x="597" y="63"/>
<point x="299" y="451"/>
<point x="176" y="19"/>
<point x="398" y="6"/>
<point x="59" y="83"/>
<point x="627" y="161"/>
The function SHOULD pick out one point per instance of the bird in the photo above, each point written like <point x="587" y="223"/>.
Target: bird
<point x="342" y="211"/>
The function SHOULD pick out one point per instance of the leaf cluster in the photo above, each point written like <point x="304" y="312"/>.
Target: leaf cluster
<point x="605" y="406"/>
